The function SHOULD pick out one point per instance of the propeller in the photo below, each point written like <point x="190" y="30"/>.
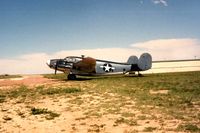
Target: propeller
<point x="56" y="67"/>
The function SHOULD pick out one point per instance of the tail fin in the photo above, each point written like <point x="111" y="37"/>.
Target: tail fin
<point x="145" y="61"/>
<point x="141" y="64"/>
<point x="132" y="60"/>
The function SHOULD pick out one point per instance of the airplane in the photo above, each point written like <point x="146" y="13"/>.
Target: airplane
<point x="87" y="66"/>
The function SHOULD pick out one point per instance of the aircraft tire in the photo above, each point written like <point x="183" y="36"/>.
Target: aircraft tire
<point x="71" y="77"/>
<point x="140" y="75"/>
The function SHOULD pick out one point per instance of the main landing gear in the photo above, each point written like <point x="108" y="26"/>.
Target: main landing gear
<point x="139" y="74"/>
<point x="136" y="74"/>
<point x="71" y="77"/>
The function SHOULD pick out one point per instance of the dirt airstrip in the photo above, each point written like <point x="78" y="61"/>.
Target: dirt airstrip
<point x="26" y="80"/>
<point x="78" y="112"/>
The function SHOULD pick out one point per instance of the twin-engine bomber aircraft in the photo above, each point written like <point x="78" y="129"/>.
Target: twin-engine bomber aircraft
<point x="73" y="65"/>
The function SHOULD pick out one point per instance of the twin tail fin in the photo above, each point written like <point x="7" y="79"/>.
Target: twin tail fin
<point x="141" y="64"/>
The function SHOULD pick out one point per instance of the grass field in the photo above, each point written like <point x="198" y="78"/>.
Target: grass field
<point x="162" y="99"/>
<point x="175" y="94"/>
<point x="7" y="76"/>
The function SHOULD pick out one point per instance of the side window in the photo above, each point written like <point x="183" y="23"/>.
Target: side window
<point x="62" y="62"/>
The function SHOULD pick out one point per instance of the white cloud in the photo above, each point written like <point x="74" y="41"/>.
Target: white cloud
<point x="163" y="2"/>
<point x="159" y="49"/>
<point x="163" y="49"/>
<point x="25" y="64"/>
<point x="118" y="54"/>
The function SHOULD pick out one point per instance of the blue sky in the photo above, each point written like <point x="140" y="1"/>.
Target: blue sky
<point x="32" y="31"/>
<point x="29" y="26"/>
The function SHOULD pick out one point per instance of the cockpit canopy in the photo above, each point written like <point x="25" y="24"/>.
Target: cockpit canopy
<point x="72" y="59"/>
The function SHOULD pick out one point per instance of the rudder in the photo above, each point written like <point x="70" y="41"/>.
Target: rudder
<point x="132" y="60"/>
<point x="145" y="61"/>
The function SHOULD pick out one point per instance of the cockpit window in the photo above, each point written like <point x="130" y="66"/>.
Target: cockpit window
<point x="70" y="59"/>
<point x="62" y="62"/>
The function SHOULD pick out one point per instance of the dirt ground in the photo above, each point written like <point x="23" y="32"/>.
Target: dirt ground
<point x="87" y="112"/>
<point x="25" y="79"/>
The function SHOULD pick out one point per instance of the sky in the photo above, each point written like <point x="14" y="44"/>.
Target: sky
<point x="32" y="31"/>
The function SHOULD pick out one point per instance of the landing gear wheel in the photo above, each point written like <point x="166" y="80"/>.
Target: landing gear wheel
<point x="139" y="74"/>
<point x="71" y="77"/>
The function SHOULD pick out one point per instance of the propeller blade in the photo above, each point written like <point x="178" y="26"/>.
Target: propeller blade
<point x="55" y="71"/>
<point x="56" y="67"/>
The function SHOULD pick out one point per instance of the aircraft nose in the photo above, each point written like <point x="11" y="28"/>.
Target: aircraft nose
<point x="48" y="62"/>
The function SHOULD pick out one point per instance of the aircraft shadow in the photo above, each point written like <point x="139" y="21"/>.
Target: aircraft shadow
<point x="82" y="78"/>
<point x="77" y="79"/>
<point x="87" y="78"/>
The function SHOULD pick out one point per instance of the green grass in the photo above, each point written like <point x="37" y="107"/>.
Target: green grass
<point x="183" y="91"/>
<point x="189" y="128"/>
<point x="7" y="76"/>
<point x="22" y="91"/>
<point x="52" y="91"/>
<point x="49" y="114"/>
<point x="38" y="111"/>
<point x="183" y="87"/>
<point x="2" y="98"/>
<point x="26" y="92"/>
<point x="60" y="76"/>
<point x="122" y="120"/>
<point x="182" y="100"/>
